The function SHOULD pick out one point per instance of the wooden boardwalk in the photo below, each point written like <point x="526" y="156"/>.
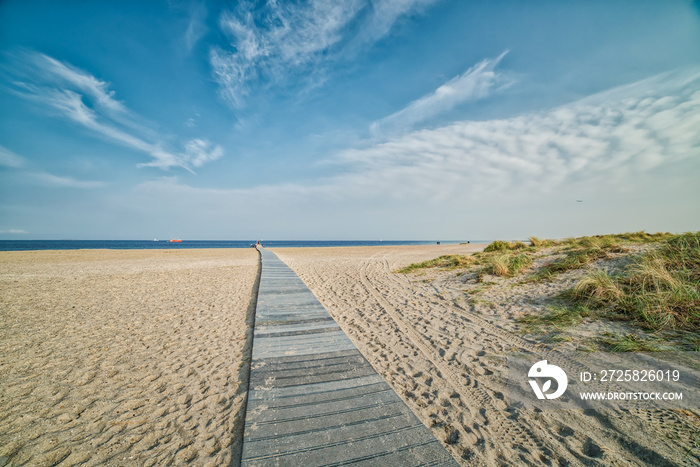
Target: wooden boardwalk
<point x="313" y="398"/>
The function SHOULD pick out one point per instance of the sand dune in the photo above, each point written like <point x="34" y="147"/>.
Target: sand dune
<point x="123" y="357"/>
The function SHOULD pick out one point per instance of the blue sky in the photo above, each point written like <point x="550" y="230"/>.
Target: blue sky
<point x="401" y="119"/>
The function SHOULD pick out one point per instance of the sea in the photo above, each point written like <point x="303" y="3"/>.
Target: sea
<point x="25" y="245"/>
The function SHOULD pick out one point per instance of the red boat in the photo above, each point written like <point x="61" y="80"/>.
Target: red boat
<point x="175" y="240"/>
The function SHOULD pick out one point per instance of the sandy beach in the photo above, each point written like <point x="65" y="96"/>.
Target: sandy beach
<point x="444" y="353"/>
<point x="123" y="357"/>
<point x="139" y="358"/>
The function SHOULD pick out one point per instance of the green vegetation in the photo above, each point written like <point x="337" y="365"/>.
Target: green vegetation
<point x="541" y="243"/>
<point x="499" y="245"/>
<point x="691" y="340"/>
<point x="630" y="343"/>
<point x="559" y="337"/>
<point x="580" y="253"/>
<point x="660" y="289"/>
<point x="636" y="237"/>
<point x="443" y="262"/>
<point x="559" y="316"/>
<point x="508" y="259"/>
<point x="608" y="239"/>
<point x="602" y="240"/>
<point x="507" y="265"/>
<point x="498" y="265"/>
<point x="597" y="288"/>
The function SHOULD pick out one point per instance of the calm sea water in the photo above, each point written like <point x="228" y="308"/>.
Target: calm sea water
<point x="20" y="245"/>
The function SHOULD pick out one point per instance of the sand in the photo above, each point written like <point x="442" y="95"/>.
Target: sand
<point x="140" y="358"/>
<point x="443" y="351"/>
<point x="124" y="357"/>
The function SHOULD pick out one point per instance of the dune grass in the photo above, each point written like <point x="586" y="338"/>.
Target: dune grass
<point x="631" y="343"/>
<point x="660" y="289"/>
<point x="579" y="253"/>
<point x="503" y="265"/>
<point x="541" y="243"/>
<point x="637" y="237"/>
<point x="559" y="316"/>
<point x="627" y="237"/>
<point x="499" y="265"/>
<point x="500" y="245"/>
<point x="597" y="288"/>
<point x="496" y="263"/>
<point x="517" y="263"/>
<point x="508" y="259"/>
<point x="443" y="262"/>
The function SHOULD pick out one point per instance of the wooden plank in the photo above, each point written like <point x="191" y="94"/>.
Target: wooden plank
<point x="313" y="399"/>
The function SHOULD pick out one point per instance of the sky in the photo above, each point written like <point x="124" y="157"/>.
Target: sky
<point x="348" y="120"/>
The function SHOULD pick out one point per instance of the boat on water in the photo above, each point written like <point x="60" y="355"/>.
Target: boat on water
<point x="175" y="240"/>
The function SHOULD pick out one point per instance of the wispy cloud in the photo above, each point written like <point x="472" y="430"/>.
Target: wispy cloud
<point x="197" y="153"/>
<point x="64" y="75"/>
<point x="605" y="142"/>
<point x="476" y="83"/>
<point x="279" y="40"/>
<point x="613" y="138"/>
<point x="14" y="231"/>
<point x="196" y="29"/>
<point x="381" y="16"/>
<point x="82" y="98"/>
<point x="632" y="154"/>
<point x="10" y="159"/>
<point x="23" y="167"/>
<point x="49" y="179"/>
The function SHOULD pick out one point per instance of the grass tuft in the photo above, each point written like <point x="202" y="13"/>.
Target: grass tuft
<point x="630" y="343"/>
<point x="660" y="289"/>
<point x="560" y="316"/>
<point x="499" y="265"/>
<point x="518" y="263"/>
<point x="580" y="252"/>
<point x="498" y="245"/>
<point x="541" y="243"/>
<point x="443" y="262"/>
<point x="598" y="288"/>
<point x="508" y="264"/>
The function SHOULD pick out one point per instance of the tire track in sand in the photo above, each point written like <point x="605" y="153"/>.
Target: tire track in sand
<point x="502" y="426"/>
<point x="676" y="425"/>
